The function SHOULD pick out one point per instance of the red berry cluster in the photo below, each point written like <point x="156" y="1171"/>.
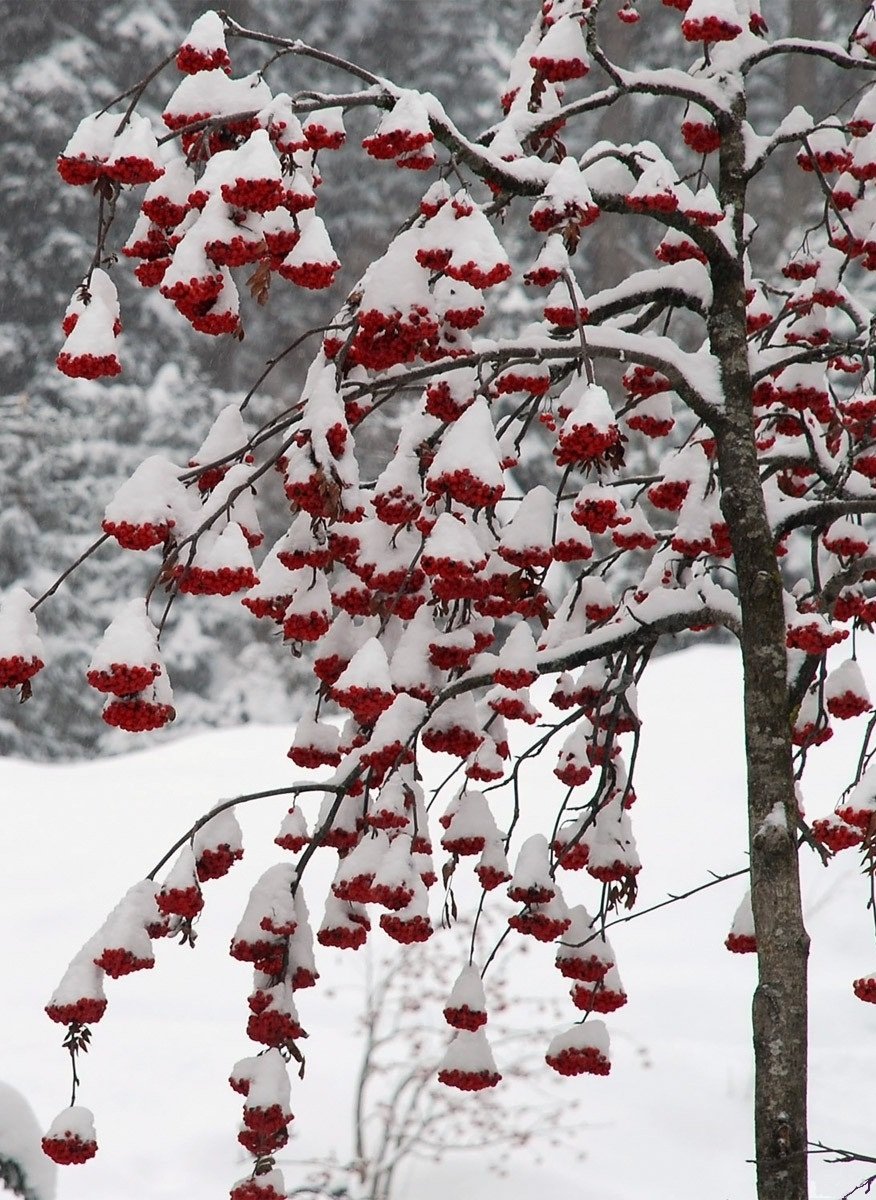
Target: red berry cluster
<point x="68" y="1149"/>
<point x="469" y="1081"/>
<point x="465" y="488"/>
<point x="85" y="1011"/>
<point x="582" y="969"/>
<point x="848" y="705"/>
<point x="311" y="275"/>
<point x="741" y="943"/>
<point x="255" y="195"/>
<point x="138" y="536"/>
<point x="453" y="739"/>
<point x="559" y="70"/>
<point x="343" y="937"/>
<point x="406" y="932"/>
<point x="583" y="444"/>
<point x="15" y="669"/>
<point x="701" y="136"/>
<point x="596" y="997"/>
<point x="137" y="715"/>
<point x="579" y="1061"/>
<point x="88" y="366"/>
<point x="865" y="989"/>
<point x="119" y="961"/>
<point x="182" y="902"/>
<point x="395" y="143"/>
<point x="190" y="60"/>
<point x="122" y="679"/>
<point x="814" y="639"/>
<point x="539" y="925"/>
<point x="273" y="1028"/>
<point x="265" y="608"/>
<point x="223" y="581"/>
<point x="465" y="1017"/>
<point x="490" y="877"/>
<point x="710" y="29"/>
<point x="216" y="861"/>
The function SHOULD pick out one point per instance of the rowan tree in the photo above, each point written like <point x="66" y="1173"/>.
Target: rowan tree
<point x="429" y="591"/>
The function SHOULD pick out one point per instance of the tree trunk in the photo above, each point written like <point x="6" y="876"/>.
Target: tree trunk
<point x="779" y="1013"/>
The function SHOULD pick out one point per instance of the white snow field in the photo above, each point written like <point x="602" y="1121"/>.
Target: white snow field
<point x="671" y="1122"/>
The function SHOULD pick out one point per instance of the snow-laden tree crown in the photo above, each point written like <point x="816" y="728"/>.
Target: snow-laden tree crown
<point x="702" y="430"/>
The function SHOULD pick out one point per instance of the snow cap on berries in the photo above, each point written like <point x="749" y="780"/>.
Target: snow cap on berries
<point x="395" y="880"/>
<point x="217" y="845"/>
<point x="476" y="254"/>
<point x="403" y="130"/>
<point x="293" y="834"/>
<point x="134" y="155"/>
<point x="127" y="658"/>
<point x="83" y="159"/>
<point x="562" y="52"/>
<point x="79" y="997"/>
<point x="21" y="648"/>
<point x="90" y="349"/>
<point x="468" y="1062"/>
<point x="582" y="1049"/>
<point x="492" y="867"/>
<point x="531" y="882"/>
<point x="122" y="944"/>
<point x="98" y="286"/>
<point x="213" y="93"/>
<point x="269" y="1185"/>
<point x="466" y="1006"/>
<point x="525" y="540"/>
<point x="324" y="129"/>
<point x="71" y="1138"/>
<point x="203" y="48"/>
<point x="411" y="923"/>
<point x="345" y="925"/>
<point x="590" y="430"/>
<point x="268" y="917"/>
<point x="148" y="506"/>
<point x="711" y="21"/>
<point x="741" y="938"/>
<point x="611" y="845"/>
<point x="222" y="564"/>
<point x="468" y="463"/>
<point x="312" y="262"/>
<point x="394" y="731"/>
<point x="566" y="197"/>
<point x="469" y="823"/>
<point x="254" y="178"/>
<point x="845" y="692"/>
<point x="268" y="1088"/>
<point x="859" y="807"/>
<point x="452" y="548"/>
<point x="365" y="685"/>
<point x="585" y="953"/>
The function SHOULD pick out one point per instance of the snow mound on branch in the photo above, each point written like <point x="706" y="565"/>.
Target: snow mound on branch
<point x="20" y="1136"/>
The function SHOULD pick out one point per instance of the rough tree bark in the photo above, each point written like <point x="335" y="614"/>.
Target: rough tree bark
<point x="779" y="1010"/>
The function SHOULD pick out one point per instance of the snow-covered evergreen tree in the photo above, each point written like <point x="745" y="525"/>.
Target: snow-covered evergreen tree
<point x="66" y="447"/>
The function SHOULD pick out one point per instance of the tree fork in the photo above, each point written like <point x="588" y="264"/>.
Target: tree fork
<point x="779" y="1009"/>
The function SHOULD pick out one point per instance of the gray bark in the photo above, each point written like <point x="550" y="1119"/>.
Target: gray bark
<point x="779" y="1015"/>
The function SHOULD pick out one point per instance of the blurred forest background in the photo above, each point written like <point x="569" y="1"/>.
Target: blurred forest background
<point x="65" y="445"/>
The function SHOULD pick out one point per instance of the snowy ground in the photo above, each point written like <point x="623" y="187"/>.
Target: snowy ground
<point x="672" y="1120"/>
